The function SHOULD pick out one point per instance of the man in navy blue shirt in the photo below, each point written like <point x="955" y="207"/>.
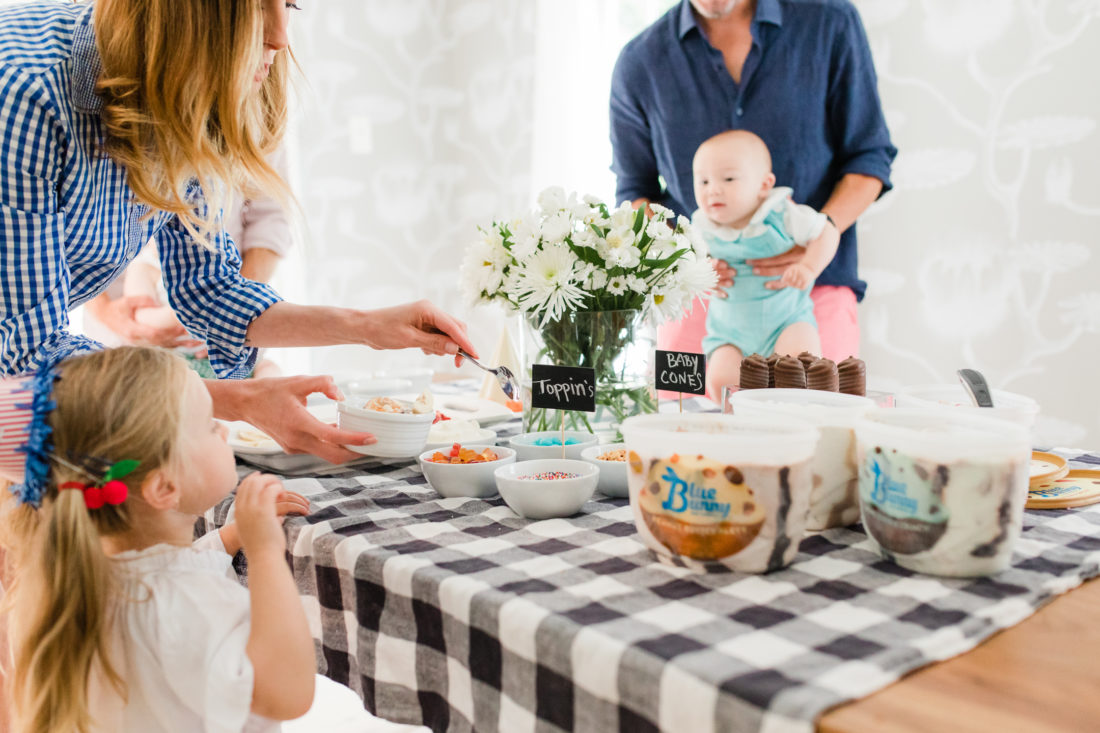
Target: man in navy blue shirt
<point x="799" y="74"/>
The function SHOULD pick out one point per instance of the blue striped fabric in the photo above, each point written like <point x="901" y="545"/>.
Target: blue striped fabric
<point x="68" y="222"/>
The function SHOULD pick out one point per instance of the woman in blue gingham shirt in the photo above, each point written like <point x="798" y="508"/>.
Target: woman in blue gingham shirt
<point x="70" y="222"/>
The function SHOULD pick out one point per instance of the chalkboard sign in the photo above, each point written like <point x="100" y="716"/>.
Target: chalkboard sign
<point x="682" y="371"/>
<point x="563" y="388"/>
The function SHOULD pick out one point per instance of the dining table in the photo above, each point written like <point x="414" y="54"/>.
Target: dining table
<point x="458" y="614"/>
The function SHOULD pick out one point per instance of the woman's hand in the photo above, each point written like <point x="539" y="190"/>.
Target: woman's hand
<point x="775" y="266"/>
<point x="725" y="277"/>
<point x="421" y="325"/>
<point x="277" y="406"/>
<point x="257" y="520"/>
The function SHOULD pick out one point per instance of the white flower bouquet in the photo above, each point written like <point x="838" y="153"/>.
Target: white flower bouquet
<point x="586" y="278"/>
<point x="579" y="255"/>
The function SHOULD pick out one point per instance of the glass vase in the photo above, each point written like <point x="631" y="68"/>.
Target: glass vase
<point x="618" y="345"/>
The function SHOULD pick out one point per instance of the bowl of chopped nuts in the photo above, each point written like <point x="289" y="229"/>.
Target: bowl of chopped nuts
<point x="465" y="470"/>
<point x="611" y="460"/>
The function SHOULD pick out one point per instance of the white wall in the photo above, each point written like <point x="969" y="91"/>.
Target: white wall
<point x="421" y="119"/>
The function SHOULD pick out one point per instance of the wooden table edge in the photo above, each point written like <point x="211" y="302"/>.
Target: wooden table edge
<point x="1039" y="675"/>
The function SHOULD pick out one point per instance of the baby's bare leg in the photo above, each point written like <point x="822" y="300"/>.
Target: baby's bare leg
<point x="723" y="370"/>
<point x="798" y="337"/>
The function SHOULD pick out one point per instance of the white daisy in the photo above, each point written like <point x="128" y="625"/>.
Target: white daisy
<point x="552" y="199"/>
<point x="636" y="283"/>
<point x="555" y="228"/>
<point x="617" y="285"/>
<point x="545" y="283"/>
<point x="482" y="270"/>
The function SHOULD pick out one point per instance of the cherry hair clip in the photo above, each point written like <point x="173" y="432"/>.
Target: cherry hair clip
<point x="109" y="490"/>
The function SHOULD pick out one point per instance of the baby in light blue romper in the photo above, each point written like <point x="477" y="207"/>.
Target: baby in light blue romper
<point x="743" y="216"/>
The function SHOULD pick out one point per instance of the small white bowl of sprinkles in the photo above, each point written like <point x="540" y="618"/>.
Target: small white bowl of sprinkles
<point x="547" y="487"/>
<point x="611" y="460"/>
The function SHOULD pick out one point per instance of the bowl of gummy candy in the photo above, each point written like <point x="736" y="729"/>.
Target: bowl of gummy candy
<point x="465" y="469"/>
<point x="548" y="444"/>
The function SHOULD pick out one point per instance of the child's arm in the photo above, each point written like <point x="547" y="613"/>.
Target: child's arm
<point x="141" y="279"/>
<point x="290" y="502"/>
<point x="279" y="643"/>
<point x="819" y="253"/>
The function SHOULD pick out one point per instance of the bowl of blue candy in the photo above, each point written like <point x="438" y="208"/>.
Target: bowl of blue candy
<point x="549" y="444"/>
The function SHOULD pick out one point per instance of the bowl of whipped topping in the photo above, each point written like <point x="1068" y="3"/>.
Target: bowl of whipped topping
<point x="446" y="432"/>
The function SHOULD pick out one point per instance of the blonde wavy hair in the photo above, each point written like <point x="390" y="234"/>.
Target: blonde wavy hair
<point x="180" y="103"/>
<point x="114" y="405"/>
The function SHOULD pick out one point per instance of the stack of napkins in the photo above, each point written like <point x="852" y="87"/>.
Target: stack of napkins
<point x="503" y="355"/>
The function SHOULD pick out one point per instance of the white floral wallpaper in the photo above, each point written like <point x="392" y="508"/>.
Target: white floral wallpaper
<point x="414" y="127"/>
<point x="986" y="253"/>
<point x="422" y="118"/>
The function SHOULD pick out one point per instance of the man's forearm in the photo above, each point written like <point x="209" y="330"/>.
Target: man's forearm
<point x="850" y="198"/>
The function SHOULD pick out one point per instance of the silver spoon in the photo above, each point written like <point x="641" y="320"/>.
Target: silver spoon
<point x="975" y="385"/>
<point x="503" y="374"/>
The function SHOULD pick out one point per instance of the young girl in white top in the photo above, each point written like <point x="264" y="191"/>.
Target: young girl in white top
<point x="116" y="621"/>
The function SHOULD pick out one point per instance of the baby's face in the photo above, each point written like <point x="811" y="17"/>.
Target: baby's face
<point x="731" y="181"/>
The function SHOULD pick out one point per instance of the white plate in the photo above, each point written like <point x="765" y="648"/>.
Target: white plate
<point x="325" y="413"/>
<point x="486" y="412"/>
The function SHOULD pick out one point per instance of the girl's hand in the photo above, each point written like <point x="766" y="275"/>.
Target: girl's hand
<point x="288" y="502"/>
<point x="291" y="502"/>
<point x="798" y="276"/>
<point x="257" y="519"/>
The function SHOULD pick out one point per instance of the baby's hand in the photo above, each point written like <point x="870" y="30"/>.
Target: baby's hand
<point x="798" y="276"/>
<point x="257" y="516"/>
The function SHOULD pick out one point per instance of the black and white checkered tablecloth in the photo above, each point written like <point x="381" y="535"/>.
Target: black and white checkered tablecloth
<point x="461" y="615"/>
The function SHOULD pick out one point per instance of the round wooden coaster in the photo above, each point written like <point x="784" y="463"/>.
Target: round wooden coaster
<point x="1046" y="467"/>
<point x="1076" y="488"/>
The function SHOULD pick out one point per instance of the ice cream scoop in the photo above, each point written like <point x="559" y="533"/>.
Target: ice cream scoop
<point x="975" y="385"/>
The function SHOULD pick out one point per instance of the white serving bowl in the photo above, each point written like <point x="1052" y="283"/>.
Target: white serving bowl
<point x="612" y="473"/>
<point x="534" y="498"/>
<point x="399" y="435"/>
<point x="465" y="479"/>
<point x="526" y="450"/>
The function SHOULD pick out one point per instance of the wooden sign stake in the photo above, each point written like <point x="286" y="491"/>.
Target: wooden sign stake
<point x="562" y="413"/>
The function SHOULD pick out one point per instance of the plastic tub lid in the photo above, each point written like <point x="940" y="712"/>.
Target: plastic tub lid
<point x="943" y="433"/>
<point x="739" y="438"/>
<point x="812" y="405"/>
<point x="955" y="395"/>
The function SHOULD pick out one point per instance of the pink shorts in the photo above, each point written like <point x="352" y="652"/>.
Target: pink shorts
<point x="834" y="309"/>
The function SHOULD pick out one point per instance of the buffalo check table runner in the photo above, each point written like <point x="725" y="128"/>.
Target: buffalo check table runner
<point x="459" y="614"/>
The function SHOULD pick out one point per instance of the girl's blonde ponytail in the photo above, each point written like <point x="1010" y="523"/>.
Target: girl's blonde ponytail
<point x="67" y="628"/>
